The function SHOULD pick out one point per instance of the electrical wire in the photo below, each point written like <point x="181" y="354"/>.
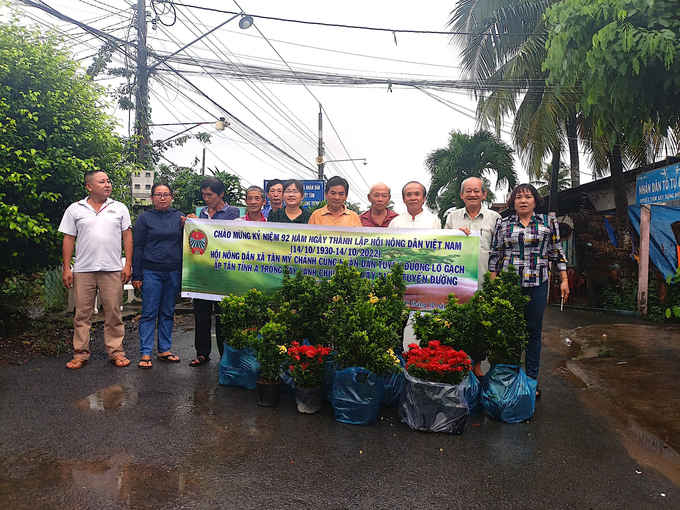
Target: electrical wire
<point x="246" y="107"/>
<point x="338" y="25"/>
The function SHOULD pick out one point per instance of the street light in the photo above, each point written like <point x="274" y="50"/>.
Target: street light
<point x="321" y="163"/>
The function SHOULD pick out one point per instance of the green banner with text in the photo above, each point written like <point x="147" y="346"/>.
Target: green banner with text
<point x="223" y="257"/>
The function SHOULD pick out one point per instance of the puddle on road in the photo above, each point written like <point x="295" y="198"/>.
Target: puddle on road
<point x="89" y="484"/>
<point x="111" y="399"/>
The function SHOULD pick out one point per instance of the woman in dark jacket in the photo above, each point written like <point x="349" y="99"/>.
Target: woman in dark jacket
<point x="157" y="272"/>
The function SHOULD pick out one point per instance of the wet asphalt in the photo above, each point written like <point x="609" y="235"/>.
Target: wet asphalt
<point x="172" y="437"/>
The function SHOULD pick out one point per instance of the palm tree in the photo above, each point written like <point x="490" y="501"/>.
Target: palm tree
<point x="480" y="155"/>
<point x="503" y="48"/>
<point x="544" y="178"/>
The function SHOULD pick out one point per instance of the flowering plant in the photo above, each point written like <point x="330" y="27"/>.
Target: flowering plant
<point x="243" y="316"/>
<point x="363" y="320"/>
<point x="437" y="363"/>
<point x="270" y="351"/>
<point x="307" y="363"/>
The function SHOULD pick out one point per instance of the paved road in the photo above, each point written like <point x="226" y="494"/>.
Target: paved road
<point x="171" y="437"/>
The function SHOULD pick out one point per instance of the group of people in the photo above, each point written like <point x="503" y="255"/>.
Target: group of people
<point x="524" y="239"/>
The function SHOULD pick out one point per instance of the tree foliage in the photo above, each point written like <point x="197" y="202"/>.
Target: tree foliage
<point x="544" y="178"/>
<point x="52" y="129"/>
<point x="623" y="55"/>
<point x="186" y="184"/>
<point x="479" y="155"/>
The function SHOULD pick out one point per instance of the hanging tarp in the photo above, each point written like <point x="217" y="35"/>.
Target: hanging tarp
<point x="663" y="246"/>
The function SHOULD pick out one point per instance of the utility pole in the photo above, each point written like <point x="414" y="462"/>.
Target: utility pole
<point x="142" y="91"/>
<point x="203" y="166"/>
<point x="319" y="160"/>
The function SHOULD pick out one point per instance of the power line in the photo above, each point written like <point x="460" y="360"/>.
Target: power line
<point x="338" y="25"/>
<point x="240" y="102"/>
<point x="312" y="94"/>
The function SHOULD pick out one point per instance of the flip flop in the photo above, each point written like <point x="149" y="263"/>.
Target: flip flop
<point x="168" y="357"/>
<point x="149" y="365"/>
<point x="200" y="360"/>
<point x="75" y="364"/>
<point x="121" y="361"/>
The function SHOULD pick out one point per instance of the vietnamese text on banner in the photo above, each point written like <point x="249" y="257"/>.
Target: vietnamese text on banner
<point x="223" y="257"/>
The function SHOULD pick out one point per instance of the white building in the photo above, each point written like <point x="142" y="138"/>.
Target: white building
<point x="141" y="183"/>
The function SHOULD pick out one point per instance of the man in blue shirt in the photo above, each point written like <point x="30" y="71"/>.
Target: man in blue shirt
<point x="216" y="208"/>
<point x="275" y="196"/>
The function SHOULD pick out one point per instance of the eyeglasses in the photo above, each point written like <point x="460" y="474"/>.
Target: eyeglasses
<point x="164" y="195"/>
<point x="292" y="192"/>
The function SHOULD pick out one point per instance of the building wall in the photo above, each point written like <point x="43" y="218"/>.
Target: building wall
<point x="141" y="183"/>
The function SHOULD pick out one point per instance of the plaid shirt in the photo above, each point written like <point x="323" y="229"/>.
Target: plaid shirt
<point x="529" y="249"/>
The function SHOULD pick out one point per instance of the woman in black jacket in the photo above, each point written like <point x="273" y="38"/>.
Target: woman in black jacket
<point x="157" y="272"/>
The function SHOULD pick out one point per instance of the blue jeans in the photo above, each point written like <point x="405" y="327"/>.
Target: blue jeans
<point x="533" y="314"/>
<point x="159" y="290"/>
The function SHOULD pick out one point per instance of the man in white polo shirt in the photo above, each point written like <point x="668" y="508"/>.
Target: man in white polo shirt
<point x="414" y="195"/>
<point x="97" y="223"/>
<point x="475" y="217"/>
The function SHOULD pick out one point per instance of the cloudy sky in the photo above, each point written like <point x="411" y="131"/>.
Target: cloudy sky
<point x="394" y="131"/>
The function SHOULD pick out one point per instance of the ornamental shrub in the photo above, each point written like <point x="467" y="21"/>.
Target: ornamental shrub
<point x="243" y="316"/>
<point x="270" y="350"/>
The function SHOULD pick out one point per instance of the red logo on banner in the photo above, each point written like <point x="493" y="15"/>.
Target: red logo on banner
<point x="198" y="242"/>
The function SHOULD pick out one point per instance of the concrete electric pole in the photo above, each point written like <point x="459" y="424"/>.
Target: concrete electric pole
<point x="319" y="159"/>
<point x="142" y="90"/>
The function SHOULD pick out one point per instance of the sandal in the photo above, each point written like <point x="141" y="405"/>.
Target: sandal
<point x="170" y="358"/>
<point x="538" y="392"/>
<point x="200" y="360"/>
<point x="146" y="363"/>
<point x="75" y="363"/>
<point x="121" y="361"/>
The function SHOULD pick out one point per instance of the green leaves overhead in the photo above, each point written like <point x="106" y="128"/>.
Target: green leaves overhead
<point x="52" y="130"/>
<point x="622" y="54"/>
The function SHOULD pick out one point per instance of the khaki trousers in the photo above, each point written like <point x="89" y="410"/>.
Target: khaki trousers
<point x="110" y="287"/>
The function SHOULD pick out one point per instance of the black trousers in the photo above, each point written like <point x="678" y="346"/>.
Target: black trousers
<point x="203" y="310"/>
<point x="477" y="356"/>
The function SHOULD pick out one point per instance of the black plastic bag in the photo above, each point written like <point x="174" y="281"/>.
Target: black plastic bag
<point x="433" y="407"/>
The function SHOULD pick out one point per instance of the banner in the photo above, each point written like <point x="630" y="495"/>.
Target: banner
<point x="223" y="257"/>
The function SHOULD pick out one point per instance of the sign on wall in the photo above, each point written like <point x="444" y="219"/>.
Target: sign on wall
<point x="660" y="185"/>
<point x="313" y="189"/>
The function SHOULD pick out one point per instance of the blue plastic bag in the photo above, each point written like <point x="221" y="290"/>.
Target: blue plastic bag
<point x="508" y="394"/>
<point x="433" y="407"/>
<point x="329" y="370"/>
<point x="473" y="393"/>
<point x="239" y="367"/>
<point x="393" y="386"/>
<point x="287" y="380"/>
<point x="356" y="396"/>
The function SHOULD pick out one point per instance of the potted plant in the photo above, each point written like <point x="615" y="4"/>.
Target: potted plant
<point x="306" y="365"/>
<point x="241" y="318"/>
<point x="270" y="352"/>
<point x="508" y="394"/>
<point x="363" y="336"/>
<point x="433" y="398"/>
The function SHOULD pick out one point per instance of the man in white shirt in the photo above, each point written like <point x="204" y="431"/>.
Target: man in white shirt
<point x="97" y="222"/>
<point x="414" y="195"/>
<point x="475" y="217"/>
